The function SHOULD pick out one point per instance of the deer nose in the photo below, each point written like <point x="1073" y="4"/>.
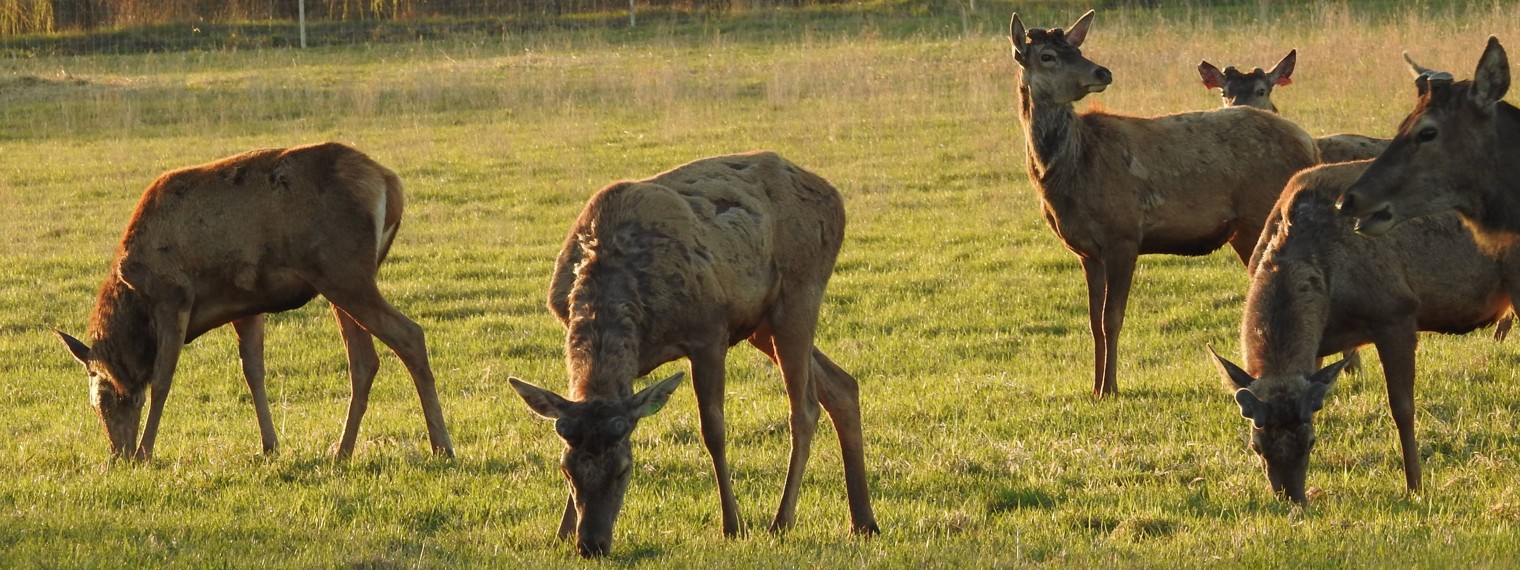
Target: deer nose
<point x="594" y="548"/>
<point x="1104" y="75"/>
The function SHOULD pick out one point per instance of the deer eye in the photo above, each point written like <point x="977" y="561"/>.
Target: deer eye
<point x="1047" y="58"/>
<point x="1261" y="92"/>
<point x="1427" y="134"/>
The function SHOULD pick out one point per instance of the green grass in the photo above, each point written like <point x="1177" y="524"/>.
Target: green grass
<point x="960" y="313"/>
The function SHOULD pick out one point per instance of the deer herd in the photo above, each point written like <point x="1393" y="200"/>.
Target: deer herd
<point x="1348" y="240"/>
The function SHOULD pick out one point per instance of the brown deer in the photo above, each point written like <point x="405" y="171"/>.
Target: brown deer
<point x="1254" y="89"/>
<point x="687" y="264"/>
<point x="226" y="242"/>
<point x="1458" y="150"/>
<point x="1320" y="288"/>
<point x="1114" y="187"/>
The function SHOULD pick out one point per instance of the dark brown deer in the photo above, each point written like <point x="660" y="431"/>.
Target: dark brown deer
<point x="1114" y="187"/>
<point x="1320" y="288"/>
<point x="687" y="264"/>
<point x="1458" y="150"/>
<point x="1254" y="89"/>
<point x="226" y="242"/>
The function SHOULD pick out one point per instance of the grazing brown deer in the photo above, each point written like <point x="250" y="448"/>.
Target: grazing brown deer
<point x="1320" y="288"/>
<point x="1114" y="187"/>
<point x="687" y="264"/>
<point x="226" y="242"/>
<point x="1254" y="89"/>
<point x="1458" y="150"/>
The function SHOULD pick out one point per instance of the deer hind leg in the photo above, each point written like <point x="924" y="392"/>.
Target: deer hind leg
<point x="360" y="298"/>
<point x="792" y="349"/>
<point x="1093" y="271"/>
<point x="1396" y="349"/>
<point x="839" y="393"/>
<point x="250" y="335"/>
<point x="363" y="363"/>
<point x="707" y="374"/>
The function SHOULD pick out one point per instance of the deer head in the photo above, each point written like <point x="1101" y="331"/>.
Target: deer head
<point x="1282" y="424"/>
<point x="118" y="407"/>
<point x="1445" y="154"/>
<point x="1253" y="89"/>
<point x="598" y="456"/>
<point x="1053" y="66"/>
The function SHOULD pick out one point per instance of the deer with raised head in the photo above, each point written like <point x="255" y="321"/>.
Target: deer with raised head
<point x="687" y="264"/>
<point x="1458" y="150"/>
<point x="1114" y="187"/>
<point x="1254" y="89"/>
<point x="1320" y="288"/>
<point x="226" y="242"/>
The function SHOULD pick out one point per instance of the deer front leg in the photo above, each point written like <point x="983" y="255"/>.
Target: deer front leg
<point x="171" y="323"/>
<point x="1093" y="271"/>
<point x="250" y="334"/>
<point x="1119" y="271"/>
<point x="567" y="520"/>
<point x="707" y="374"/>
<point x="1396" y="350"/>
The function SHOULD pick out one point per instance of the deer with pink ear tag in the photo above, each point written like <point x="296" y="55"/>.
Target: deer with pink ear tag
<point x="1114" y="187"/>
<point x="686" y="264"/>
<point x="1254" y="89"/>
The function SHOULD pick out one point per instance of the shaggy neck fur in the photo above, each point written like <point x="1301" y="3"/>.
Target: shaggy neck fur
<point x="1288" y="303"/>
<point x="121" y="336"/>
<point x="602" y="340"/>
<point x="1054" y="138"/>
<point x="1498" y="205"/>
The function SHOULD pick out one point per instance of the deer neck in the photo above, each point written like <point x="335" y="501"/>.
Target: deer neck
<point x="602" y="340"/>
<point x="1053" y="136"/>
<point x="1287" y="309"/>
<point x="1497" y="181"/>
<point x="122" y="336"/>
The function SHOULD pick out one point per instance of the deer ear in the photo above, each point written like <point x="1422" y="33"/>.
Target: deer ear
<point x="1212" y="77"/>
<point x="80" y="350"/>
<point x="1491" y="80"/>
<point x="541" y="401"/>
<point x="1252" y="408"/>
<point x="1328" y="374"/>
<point x="1078" y="31"/>
<point x="1282" y="73"/>
<point x="1230" y="372"/>
<point x="1018" y="37"/>
<point x="651" y="399"/>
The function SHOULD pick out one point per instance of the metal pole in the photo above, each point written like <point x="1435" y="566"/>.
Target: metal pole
<point x="301" y="6"/>
<point x="630" y="13"/>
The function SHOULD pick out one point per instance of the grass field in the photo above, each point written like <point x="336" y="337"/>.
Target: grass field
<point x="961" y="314"/>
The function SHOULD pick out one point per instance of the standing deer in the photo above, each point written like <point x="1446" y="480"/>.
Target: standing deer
<point x="687" y="264"/>
<point x="226" y="242"/>
<point x="1114" y="187"/>
<point x="1458" y="150"/>
<point x="1254" y="89"/>
<point x="1320" y="288"/>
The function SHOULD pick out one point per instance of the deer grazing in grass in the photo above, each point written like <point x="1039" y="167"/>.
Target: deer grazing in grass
<point x="1254" y="89"/>
<point x="687" y="264"/>
<point x="1319" y="288"/>
<point x="226" y="242"/>
<point x="1458" y="150"/>
<point x="1114" y="187"/>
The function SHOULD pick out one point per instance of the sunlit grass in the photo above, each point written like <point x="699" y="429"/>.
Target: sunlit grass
<point x="960" y="313"/>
